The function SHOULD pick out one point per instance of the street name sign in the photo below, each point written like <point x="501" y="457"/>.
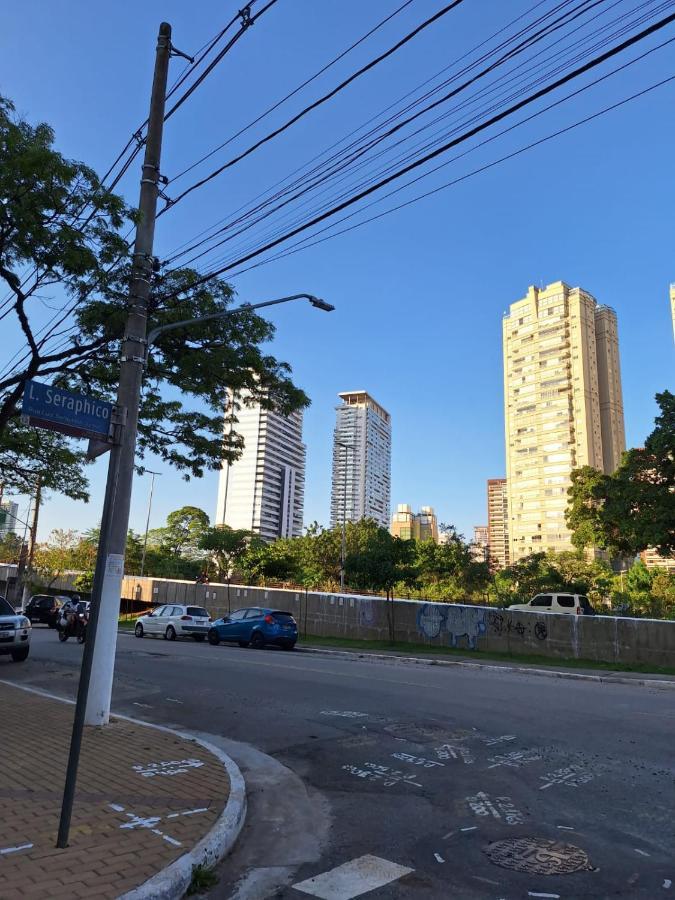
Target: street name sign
<point x="77" y="415"/>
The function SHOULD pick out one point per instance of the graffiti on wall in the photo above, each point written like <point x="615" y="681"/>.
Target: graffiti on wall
<point x="456" y="621"/>
<point x="500" y="624"/>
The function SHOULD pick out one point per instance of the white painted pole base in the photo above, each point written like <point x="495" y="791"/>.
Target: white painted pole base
<point x="103" y="663"/>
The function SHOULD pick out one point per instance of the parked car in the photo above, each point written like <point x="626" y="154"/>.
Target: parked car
<point x="256" y="626"/>
<point x="172" y="621"/>
<point x="43" y="609"/>
<point x="566" y="604"/>
<point x="15" y="630"/>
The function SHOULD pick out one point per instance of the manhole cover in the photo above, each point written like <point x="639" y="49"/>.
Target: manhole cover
<point x="538" y="856"/>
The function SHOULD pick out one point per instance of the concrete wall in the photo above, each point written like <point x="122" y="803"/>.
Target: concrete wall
<point x="602" y="638"/>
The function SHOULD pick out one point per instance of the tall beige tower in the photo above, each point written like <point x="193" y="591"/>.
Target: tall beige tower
<point x="563" y="408"/>
<point x="498" y="523"/>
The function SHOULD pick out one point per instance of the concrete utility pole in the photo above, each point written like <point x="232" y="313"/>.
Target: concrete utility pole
<point x="98" y="660"/>
<point x="122" y="455"/>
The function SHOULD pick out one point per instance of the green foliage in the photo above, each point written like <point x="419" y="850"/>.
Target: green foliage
<point x="30" y="454"/>
<point x="182" y="533"/>
<point x="225" y="547"/>
<point x="59" y="222"/>
<point x="632" y="509"/>
<point x="10" y="548"/>
<point x="567" y="571"/>
<point x="56" y="556"/>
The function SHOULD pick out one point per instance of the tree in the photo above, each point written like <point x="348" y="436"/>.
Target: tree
<point x="10" y="548"/>
<point x="55" y="556"/>
<point x="30" y="454"/>
<point x="225" y="546"/>
<point x="61" y="226"/>
<point x="183" y="532"/>
<point x="633" y="508"/>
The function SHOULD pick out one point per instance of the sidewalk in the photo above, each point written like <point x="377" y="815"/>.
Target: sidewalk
<point x="144" y="798"/>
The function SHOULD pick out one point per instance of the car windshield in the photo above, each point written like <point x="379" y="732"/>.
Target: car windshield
<point x="284" y="618"/>
<point x="197" y="611"/>
<point x="5" y="608"/>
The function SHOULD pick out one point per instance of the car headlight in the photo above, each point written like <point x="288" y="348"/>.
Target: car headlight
<point x="24" y="623"/>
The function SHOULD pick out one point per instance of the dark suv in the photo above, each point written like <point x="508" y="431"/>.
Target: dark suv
<point x="44" y="609"/>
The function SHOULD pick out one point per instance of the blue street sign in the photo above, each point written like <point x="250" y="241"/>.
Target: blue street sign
<point x="49" y="407"/>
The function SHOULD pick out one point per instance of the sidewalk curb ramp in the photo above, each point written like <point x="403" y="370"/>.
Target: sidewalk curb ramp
<point x="172" y="882"/>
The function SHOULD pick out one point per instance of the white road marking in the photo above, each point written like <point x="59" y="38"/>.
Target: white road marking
<point x="641" y="852"/>
<point x="565" y="827"/>
<point x="344" y="713"/>
<point x="448" y="835"/>
<point x="172" y="700"/>
<point x="667" y="883"/>
<point x="116" y="807"/>
<point x="534" y="894"/>
<point x="6" y="850"/>
<point x="486" y="880"/>
<point x="142" y="705"/>
<point x="351" y="879"/>
<point x="470" y="828"/>
<point x="439" y="858"/>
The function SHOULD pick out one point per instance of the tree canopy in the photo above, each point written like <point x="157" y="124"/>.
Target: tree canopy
<point x="633" y="508"/>
<point x="63" y="242"/>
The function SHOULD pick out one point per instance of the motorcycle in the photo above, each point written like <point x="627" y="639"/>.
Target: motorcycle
<point x="73" y="623"/>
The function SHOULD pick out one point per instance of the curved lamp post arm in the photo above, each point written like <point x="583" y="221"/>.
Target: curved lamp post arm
<point x="185" y="323"/>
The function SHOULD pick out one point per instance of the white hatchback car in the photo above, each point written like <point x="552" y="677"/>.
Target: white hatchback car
<point x="15" y="631"/>
<point x="563" y="604"/>
<point x="172" y="621"/>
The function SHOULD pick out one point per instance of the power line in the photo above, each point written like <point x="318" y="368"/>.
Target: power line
<point x="309" y="186"/>
<point x="374" y="62"/>
<point x="292" y="93"/>
<point x="593" y="63"/>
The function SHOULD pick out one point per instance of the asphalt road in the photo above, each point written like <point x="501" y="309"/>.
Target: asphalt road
<point x="428" y="768"/>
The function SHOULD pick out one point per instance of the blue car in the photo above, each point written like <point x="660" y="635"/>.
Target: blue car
<point x="256" y="627"/>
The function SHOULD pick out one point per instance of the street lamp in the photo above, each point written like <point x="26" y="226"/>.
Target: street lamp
<point x="316" y="302"/>
<point x="147" y="521"/>
<point x="343" y="549"/>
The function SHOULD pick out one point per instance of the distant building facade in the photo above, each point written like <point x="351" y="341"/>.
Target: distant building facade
<point x="8" y="513"/>
<point x="361" y="482"/>
<point x="264" y="490"/>
<point x="653" y="560"/>
<point x="480" y="545"/>
<point x="563" y="408"/>
<point x="421" y="526"/>
<point x="498" y="523"/>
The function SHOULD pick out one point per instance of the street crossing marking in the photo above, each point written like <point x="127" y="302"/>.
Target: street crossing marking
<point x="351" y="879"/>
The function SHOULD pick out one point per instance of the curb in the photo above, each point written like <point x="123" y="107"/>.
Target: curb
<point x="491" y="667"/>
<point x="172" y="882"/>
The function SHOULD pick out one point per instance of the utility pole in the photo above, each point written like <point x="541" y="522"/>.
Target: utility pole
<point x="147" y="521"/>
<point x="98" y="661"/>
<point x="32" y="538"/>
<point x="122" y="455"/>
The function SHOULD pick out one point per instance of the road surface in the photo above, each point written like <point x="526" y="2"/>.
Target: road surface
<point x="418" y="781"/>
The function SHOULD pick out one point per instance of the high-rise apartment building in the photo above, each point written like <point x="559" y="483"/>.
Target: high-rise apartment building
<point x="421" y="526"/>
<point x="264" y="490"/>
<point x="498" y="523"/>
<point x="8" y="513"/>
<point x="563" y="407"/>
<point x="361" y="486"/>
<point x="480" y="549"/>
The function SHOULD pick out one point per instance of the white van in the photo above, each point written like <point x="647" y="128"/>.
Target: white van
<point x="566" y="604"/>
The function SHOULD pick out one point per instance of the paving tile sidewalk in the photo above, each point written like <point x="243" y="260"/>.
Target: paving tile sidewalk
<point x="144" y="798"/>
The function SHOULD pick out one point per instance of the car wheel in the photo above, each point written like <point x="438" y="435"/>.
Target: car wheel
<point x="170" y="633"/>
<point x="288" y="645"/>
<point x="20" y="655"/>
<point x="214" y="640"/>
<point x="138" y="630"/>
<point x="199" y="637"/>
<point x="257" y="641"/>
<point x="62" y="635"/>
<point x="243" y="644"/>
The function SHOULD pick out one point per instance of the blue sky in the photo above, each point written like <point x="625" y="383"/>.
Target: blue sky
<point x="419" y="294"/>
